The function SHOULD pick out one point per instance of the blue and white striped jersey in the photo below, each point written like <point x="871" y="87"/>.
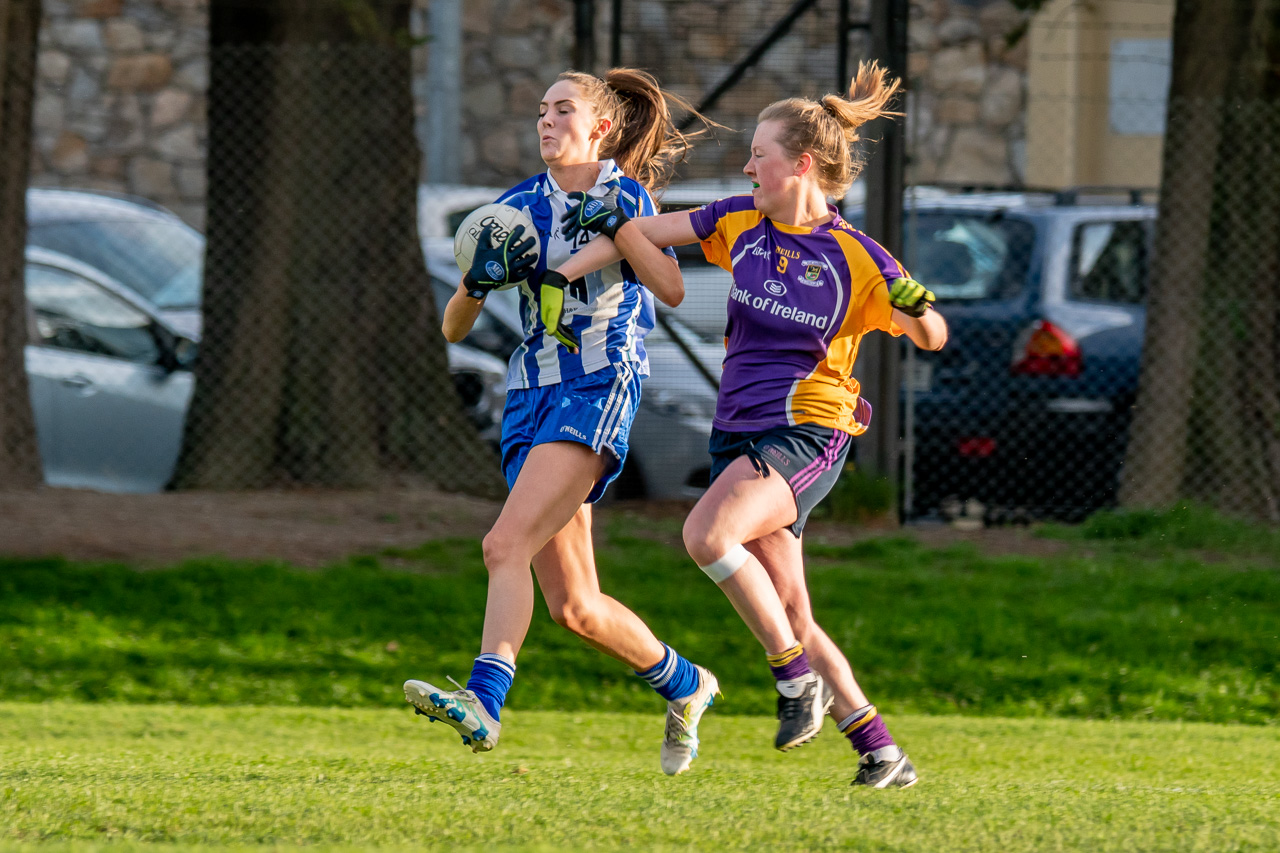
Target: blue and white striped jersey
<point x="610" y="310"/>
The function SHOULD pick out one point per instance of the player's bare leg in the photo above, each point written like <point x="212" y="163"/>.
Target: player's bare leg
<point x="781" y="554"/>
<point x="566" y="572"/>
<point x="743" y="505"/>
<point x="554" y="481"/>
<point x="882" y="763"/>
<point x="740" y="506"/>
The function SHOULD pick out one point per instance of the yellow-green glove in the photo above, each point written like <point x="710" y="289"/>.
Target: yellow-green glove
<point x="551" y="285"/>
<point x="910" y="296"/>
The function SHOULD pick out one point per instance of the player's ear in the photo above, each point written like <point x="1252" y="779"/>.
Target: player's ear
<point x="803" y="164"/>
<point x="603" y="126"/>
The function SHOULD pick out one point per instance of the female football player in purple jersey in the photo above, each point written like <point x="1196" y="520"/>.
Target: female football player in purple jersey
<point x="573" y="387"/>
<point x="806" y="288"/>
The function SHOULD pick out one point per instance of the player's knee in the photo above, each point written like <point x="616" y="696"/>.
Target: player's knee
<point x="574" y="615"/>
<point x="501" y="551"/>
<point x="701" y="545"/>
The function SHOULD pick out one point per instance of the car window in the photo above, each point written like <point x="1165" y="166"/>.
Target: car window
<point x="968" y="255"/>
<point x="1109" y="261"/>
<point x="74" y="314"/>
<point x="488" y="334"/>
<point x="161" y="259"/>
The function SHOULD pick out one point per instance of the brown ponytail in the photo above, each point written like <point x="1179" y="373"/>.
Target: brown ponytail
<point x="643" y="140"/>
<point x="828" y="128"/>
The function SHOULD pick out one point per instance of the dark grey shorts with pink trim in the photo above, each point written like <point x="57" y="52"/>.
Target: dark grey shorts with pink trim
<point x="809" y="457"/>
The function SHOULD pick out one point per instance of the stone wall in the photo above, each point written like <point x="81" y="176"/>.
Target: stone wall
<point x="966" y="107"/>
<point x="121" y="93"/>
<point x="966" y="114"/>
<point x="120" y="101"/>
<point x="512" y="52"/>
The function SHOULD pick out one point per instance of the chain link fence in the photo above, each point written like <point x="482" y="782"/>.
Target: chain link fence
<point x="1102" y="339"/>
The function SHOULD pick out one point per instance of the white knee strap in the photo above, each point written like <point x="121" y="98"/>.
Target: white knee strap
<point x="723" y="568"/>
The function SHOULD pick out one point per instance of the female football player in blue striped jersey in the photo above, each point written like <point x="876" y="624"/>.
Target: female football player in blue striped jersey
<point x="806" y="288"/>
<point x="573" y="387"/>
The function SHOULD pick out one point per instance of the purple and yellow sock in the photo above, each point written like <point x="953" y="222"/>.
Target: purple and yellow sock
<point x="866" y="730"/>
<point x="790" y="664"/>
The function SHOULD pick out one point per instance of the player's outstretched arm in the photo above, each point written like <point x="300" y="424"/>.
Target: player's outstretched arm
<point x="641" y="239"/>
<point x="912" y="305"/>
<point x="928" y="331"/>
<point x="668" y="229"/>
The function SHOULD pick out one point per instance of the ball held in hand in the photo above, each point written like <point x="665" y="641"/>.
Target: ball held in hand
<point x="502" y="219"/>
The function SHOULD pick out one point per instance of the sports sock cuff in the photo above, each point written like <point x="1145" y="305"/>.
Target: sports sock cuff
<point x="858" y="719"/>
<point x="499" y="661"/>
<point x="785" y="657"/>
<point x="660" y="673"/>
<point x="491" y="678"/>
<point x="674" y="677"/>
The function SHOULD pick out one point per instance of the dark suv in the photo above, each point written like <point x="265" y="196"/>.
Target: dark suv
<point x="1026" y="410"/>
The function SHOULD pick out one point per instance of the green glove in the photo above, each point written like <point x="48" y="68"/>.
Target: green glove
<point x="598" y="215"/>
<point x="910" y="296"/>
<point x="551" y="285"/>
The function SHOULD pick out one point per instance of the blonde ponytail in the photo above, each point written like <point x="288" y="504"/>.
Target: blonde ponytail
<point x="644" y="139"/>
<point x="828" y="128"/>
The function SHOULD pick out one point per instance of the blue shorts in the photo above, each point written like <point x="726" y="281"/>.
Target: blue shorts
<point x="595" y="410"/>
<point x="809" y="457"/>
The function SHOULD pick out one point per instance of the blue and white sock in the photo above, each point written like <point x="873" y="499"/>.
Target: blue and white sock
<point x="673" y="676"/>
<point x="491" y="678"/>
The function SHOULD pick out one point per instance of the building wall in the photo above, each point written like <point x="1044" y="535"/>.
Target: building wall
<point x="1074" y="137"/>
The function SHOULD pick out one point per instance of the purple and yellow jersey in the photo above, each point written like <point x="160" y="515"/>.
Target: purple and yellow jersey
<point x="802" y="298"/>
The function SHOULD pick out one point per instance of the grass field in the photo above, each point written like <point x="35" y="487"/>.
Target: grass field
<point x="1127" y="627"/>
<point x="253" y="776"/>
<point x="1119" y="692"/>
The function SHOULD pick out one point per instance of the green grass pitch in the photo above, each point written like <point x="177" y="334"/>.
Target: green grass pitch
<point x="83" y="775"/>
<point x="1119" y="692"/>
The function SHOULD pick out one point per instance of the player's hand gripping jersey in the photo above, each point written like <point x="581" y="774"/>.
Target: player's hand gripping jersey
<point x="609" y="310"/>
<point x="802" y="298"/>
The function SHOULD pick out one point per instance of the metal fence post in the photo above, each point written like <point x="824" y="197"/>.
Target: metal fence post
<point x="880" y="367"/>
<point x="444" y="82"/>
<point x="584" y="35"/>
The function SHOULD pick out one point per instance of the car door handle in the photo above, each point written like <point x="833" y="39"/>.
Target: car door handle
<point x="80" y="382"/>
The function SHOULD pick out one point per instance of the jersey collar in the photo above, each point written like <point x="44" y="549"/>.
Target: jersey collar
<point x="609" y="172"/>
<point x="835" y="222"/>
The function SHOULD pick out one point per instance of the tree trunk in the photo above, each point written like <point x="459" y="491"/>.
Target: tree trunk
<point x="19" y="28"/>
<point x="1233" y="456"/>
<point x="1207" y="420"/>
<point x="322" y="360"/>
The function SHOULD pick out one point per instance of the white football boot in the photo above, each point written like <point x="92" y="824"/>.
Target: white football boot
<point x="680" y="741"/>
<point x="459" y="708"/>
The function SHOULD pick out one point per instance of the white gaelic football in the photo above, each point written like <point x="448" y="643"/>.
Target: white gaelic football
<point x="504" y="218"/>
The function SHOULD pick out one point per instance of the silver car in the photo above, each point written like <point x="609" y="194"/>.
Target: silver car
<point x="141" y="245"/>
<point x="109" y="380"/>
<point x="108" y="368"/>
